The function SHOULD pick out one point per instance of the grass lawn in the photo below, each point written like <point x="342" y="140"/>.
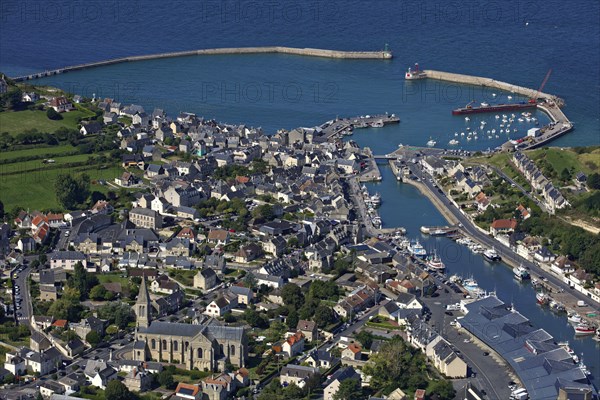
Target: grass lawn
<point x="3" y="351"/>
<point x="184" y="276"/>
<point x="503" y="162"/>
<point x="35" y="190"/>
<point x="113" y="277"/>
<point x="382" y="323"/>
<point x="49" y="151"/>
<point x="29" y="165"/>
<point x="184" y="376"/>
<point x="569" y="159"/>
<point x="91" y="392"/>
<point x="24" y="341"/>
<point x="20" y="121"/>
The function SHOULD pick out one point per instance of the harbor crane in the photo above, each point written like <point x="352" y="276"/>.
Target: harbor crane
<point x="533" y="100"/>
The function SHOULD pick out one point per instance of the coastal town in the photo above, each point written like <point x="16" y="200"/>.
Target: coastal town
<point x="217" y="261"/>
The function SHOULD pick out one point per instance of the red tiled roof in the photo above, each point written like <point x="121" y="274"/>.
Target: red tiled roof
<point x="504" y="223"/>
<point x="60" y="323"/>
<point x="298" y="336"/>
<point x="353" y="347"/>
<point x="194" y="388"/>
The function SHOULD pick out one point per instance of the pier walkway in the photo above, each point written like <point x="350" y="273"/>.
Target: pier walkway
<point x="339" y="126"/>
<point x="365" y="55"/>
<point x="547" y="103"/>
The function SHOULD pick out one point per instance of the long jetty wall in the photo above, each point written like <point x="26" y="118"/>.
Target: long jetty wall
<point x="487" y="82"/>
<point x="365" y="55"/>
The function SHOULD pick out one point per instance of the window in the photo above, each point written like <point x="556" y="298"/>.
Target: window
<point x="232" y="350"/>
<point x="199" y="353"/>
<point x="153" y="342"/>
<point x="175" y="346"/>
<point x="187" y="344"/>
<point x="164" y="344"/>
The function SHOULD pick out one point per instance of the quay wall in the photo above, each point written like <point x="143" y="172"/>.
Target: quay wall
<point x="382" y="55"/>
<point x="487" y="82"/>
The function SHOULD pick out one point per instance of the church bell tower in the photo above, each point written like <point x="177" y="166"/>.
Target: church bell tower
<point x="143" y="306"/>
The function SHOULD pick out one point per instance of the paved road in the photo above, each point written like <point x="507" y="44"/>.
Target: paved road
<point x="490" y="374"/>
<point x="521" y="188"/>
<point x="23" y="294"/>
<point x="507" y="255"/>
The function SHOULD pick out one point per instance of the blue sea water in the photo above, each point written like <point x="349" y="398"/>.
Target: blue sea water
<point x="513" y="41"/>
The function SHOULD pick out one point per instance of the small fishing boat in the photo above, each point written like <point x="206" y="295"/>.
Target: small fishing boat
<point x="584" y="329"/>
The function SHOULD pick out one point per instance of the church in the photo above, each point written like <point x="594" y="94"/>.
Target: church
<point x="207" y="347"/>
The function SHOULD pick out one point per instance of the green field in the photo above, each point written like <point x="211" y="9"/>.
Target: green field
<point x="17" y="122"/>
<point x="34" y="164"/>
<point x="35" y="189"/>
<point x="113" y="277"/>
<point x="503" y="161"/>
<point x="560" y="159"/>
<point x="50" y="151"/>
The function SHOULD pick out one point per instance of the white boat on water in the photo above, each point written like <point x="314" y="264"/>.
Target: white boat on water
<point x="431" y="143"/>
<point x="491" y="255"/>
<point x="435" y="263"/>
<point x="574" y="318"/>
<point x="467" y="119"/>
<point x="521" y="273"/>
<point x="453" y="142"/>
<point x="417" y="250"/>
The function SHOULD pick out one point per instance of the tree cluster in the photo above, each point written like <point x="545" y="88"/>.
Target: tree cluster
<point x="72" y="191"/>
<point x="397" y="365"/>
<point x="307" y="307"/>
<point x="117" y="313"/>
<point x="582" y="246"/>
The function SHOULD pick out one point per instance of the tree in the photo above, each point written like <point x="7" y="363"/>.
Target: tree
<point x="293" y="242"/>
<point x="254" y="319"/>
<point x="443" y="389"/>
<point x="71" y="191"/>
<point x="165" y="378"/>
<point x="292" y="319"/>
<point x="116" y="390"/>
<point x="118" y="313"/>
<point x="12" y="98"/>
<point x="52" y="114"/>
<point x="565" y="175"/>
<point x="323" y="289"/>
<point x="397" y="365"/>
<point x="323" y="315"/>
<point x="264" y="212"/>
<point x="98" y="292"/>
<point x="93" y="338"/>
<point x="349" y="389"/>
<point x="365" y="338"/>
<point x="593" y="181"/>
<point x="292" y="295"/>
<point x="82" y="281"/>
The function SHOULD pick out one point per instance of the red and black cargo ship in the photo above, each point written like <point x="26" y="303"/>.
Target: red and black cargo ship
<point x="469" y="109"/>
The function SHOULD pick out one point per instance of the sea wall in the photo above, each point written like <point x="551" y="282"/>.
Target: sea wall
<point x="365" y="55"/>
<point x="487" y="82"/>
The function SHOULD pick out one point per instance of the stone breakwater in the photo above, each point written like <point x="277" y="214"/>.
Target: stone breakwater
<point x="365" y="55"/>
<point x="488" y="82"/>
<point x="545" y="102"/>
